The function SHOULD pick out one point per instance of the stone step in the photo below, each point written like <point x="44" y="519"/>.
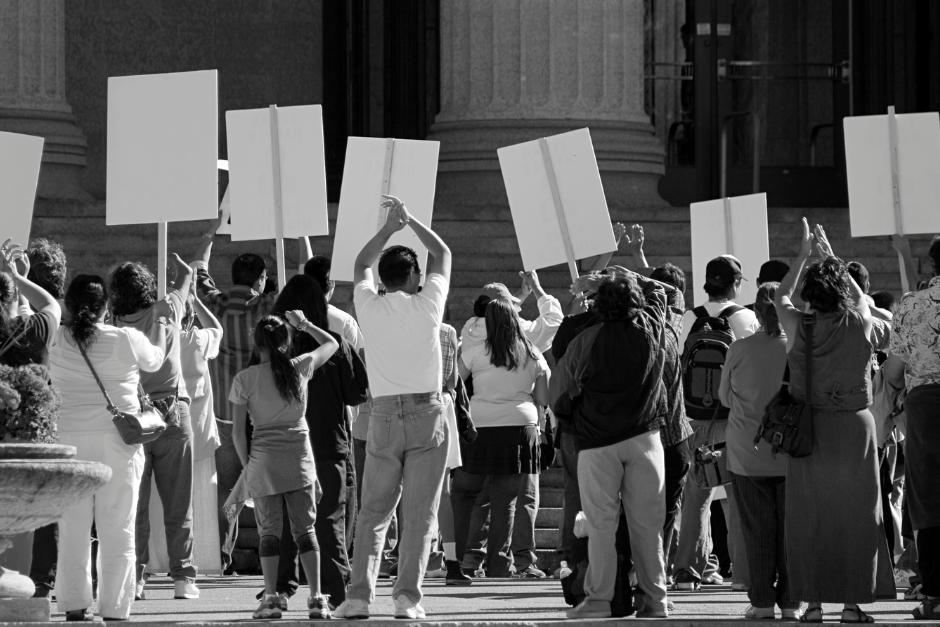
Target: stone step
<point x="553" y="477"/>
<point x="547" y="538"/>
<point x="549" y="517"/>
<point x="551" y="497"/>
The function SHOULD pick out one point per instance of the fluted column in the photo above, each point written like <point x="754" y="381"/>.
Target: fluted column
<point x="514" y="70"/>
<point x="32" y="90"/>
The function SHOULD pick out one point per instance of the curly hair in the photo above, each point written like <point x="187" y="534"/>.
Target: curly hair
<point x="8" y="295"/>
<point x="396" y="264"/>
<point x="826" y="286"/>
<point x="85" y="301"/>
<point x="273" y="334"/>
<point x="670" y="275"/>
<point x="47" y="266"/>
<point x="133" y="287"/>
<point x="507" y="344"/>
<point x="619" y="298"/>
<point x="765" y="310"/>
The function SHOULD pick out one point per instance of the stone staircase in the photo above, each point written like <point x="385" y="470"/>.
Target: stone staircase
<point x="548" y="522"/>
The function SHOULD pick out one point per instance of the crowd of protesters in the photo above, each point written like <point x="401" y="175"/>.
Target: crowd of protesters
<point x="338" y="427"/>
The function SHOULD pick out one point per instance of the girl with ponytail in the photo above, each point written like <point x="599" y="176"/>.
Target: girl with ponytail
<point x="280" y="468"/>
<point x="118" y="355"/>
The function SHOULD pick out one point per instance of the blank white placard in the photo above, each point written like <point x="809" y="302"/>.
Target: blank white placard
<point x="20" y="159"/>
<point x="163" y="144"/>
<point x="868" y="170"/>
<point x="413" y="179"/>
<point x="749" y="241"/>
<point x="251" y="173"/>
<point x="532" y="204"/>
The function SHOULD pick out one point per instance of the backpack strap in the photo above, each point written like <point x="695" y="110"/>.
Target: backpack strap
<point x="700" y="312"/>
<point x="729" y="311"/>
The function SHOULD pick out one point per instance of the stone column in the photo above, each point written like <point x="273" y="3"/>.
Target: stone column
<point x="32" y="91"/>
<point x="515" y="70"/>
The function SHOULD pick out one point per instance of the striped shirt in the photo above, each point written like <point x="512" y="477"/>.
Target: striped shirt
<point x="238" y="311"/>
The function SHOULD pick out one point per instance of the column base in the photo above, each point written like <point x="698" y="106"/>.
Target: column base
<point x="63" y="157"/>
<point x="25" y="610"/>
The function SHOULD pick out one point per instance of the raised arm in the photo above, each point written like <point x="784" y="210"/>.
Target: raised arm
<point x="328" y="345"/>
<point x="789" y="315"/>
<point x="439" y="261"/>
<point x="14" y="260"/>
<point x="207" y="319"/>
<point x="394" y="222"/>
<point x="184" y="274"/>
<point x="861" y="304"/>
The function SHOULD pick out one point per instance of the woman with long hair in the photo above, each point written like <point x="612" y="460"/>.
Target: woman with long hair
<point x="24" y="339"/>
<point x="117" y="356"/>
<point x="836" y="548"/>
<point x="754" y="368"/>
<point x="510" y="385"/>
<point x="340" y="382"/>
<point x="279" y="470"/>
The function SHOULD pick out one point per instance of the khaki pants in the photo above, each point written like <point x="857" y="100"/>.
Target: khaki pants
<point x="631" y="472"/>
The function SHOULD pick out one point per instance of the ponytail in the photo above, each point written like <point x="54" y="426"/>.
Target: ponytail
<point x="273" y="334"/>
<point x="85" y="300"/>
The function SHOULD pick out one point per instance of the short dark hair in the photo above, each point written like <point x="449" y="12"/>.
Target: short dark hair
<point x="772" y="271"/>
<point x="47" y="266"/>
<point x="883" y="300"/>
<point x="396" y="264"/>
<point x="133" y="287"/>
<point x="858" y="272"/>
<point x="826" y="286"/>
<point x="619" y="298"/>
<point x="670" y="275"/>
<point x="318" y="268"/>
<point x="934" y="253"/>
<point x="247" y="268"/>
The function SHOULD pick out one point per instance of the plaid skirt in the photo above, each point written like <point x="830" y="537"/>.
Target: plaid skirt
<point x="503" y="451"/>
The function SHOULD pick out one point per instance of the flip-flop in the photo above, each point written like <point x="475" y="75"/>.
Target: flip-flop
<point x="860" y="616"/>
<point x="812" y="615"/>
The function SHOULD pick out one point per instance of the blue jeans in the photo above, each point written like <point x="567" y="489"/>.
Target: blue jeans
<point x="169" y="460"/>
<point x="406" y="456"/>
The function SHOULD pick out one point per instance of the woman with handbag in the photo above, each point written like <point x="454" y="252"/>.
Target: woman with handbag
<point x="753" y="370"/>
<point x="510" y="383"/>
<point x="836" y="548"/>
<point x="117" y="357"/>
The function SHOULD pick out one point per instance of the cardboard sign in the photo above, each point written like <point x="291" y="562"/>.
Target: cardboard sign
<point x="302" y="163"/>
<point x="730" y="226"/>
<point x="557" y="200"/>
<point x="404" y="168"/>
<point x="868" y="163"/>
<point x="163" y="142"/>
<point x="20" y="159"/>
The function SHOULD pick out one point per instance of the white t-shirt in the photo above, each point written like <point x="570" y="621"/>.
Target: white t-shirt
<point x="345" y="325"/>
<point x="743" y="323"/>
<point x="118" y="355"/>
<point x="402" y="332"/>
<point x="502" y="397"/>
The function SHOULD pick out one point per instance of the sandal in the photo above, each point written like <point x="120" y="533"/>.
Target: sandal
<point x="927" y="610"/>
<point x="812" y="615"/>
<point x="860" y="616"/>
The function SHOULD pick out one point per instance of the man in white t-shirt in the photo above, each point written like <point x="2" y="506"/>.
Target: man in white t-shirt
<point x="406" y="449"/>
<point x="693" y="564"/>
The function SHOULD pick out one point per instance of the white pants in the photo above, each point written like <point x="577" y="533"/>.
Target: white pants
<point x="113" y="509"/>
<point x="630" y="474"/>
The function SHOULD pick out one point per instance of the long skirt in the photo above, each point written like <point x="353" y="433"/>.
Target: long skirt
<point x="835" y="543"/>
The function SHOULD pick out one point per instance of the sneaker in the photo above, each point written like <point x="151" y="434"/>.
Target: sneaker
<point x="352" y="608"/>
<point x="268" y="608"/>
<point x="713" y="579"/>
<point x="319" y="607"/>
<point x="438" y="573"/>
<point x="759" y="613"/>
<point x="139" y="590"/>
<point x="455" y="576"/>
<point x="185" y="589"/>
<point x="791" y="613"/>
<point x="79" y="615"/>
<point x="531" y="572"/>
<point x="282" y="598"/>
<point x="404" y="608"/>
<point x="589" y="608"/>
<point x="686" y="582"/>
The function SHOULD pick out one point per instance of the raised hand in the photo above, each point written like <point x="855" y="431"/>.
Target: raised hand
<point x="398" y="215"/>
<point x="587" y="283"/>
<point x="808" y="241"/>
<point x="14" y="259"/>
<point x="635" y="239"/>
<point x="295" y="318"/>
<point x="530" y="280"/>
<point x="823" y="247"/>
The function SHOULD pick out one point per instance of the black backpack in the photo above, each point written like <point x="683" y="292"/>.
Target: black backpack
<point x="702" y="359"/>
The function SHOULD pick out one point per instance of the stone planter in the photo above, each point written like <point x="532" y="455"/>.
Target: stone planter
<point x="37" y="482"/>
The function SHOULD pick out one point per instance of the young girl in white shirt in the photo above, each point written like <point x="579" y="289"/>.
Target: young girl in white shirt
<point x="280" y="468"/>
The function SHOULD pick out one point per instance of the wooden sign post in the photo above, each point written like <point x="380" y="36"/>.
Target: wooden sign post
<point x="557" y="200"/>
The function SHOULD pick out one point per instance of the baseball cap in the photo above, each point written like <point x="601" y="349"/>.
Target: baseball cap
<point x="723" y="271"/>
<point x="499" y="290"/>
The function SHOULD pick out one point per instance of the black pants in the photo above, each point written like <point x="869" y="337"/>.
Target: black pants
<point x="331" y="536"/>
<point x="678" y="461"/>
<point x="928" y="559"/>
<point x="45" y="555"/>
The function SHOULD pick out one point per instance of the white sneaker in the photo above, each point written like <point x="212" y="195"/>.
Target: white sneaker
<point x="759" y="613"/>
<point x="440" y="573"/>
<point x="352" y="608"/>
<point x="792" y="613"/>
<point x="185" y="589"/>
<point x="404" y="608"/>
<point x="268" y="608"/>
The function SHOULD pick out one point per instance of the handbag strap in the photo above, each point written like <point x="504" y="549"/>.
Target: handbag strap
<point x="13" y="339"/>
<point x="81" y="349"/>
<point x="809" y="321"/>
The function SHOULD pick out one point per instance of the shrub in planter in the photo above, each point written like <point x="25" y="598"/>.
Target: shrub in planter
<point x="28" y="404"/>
